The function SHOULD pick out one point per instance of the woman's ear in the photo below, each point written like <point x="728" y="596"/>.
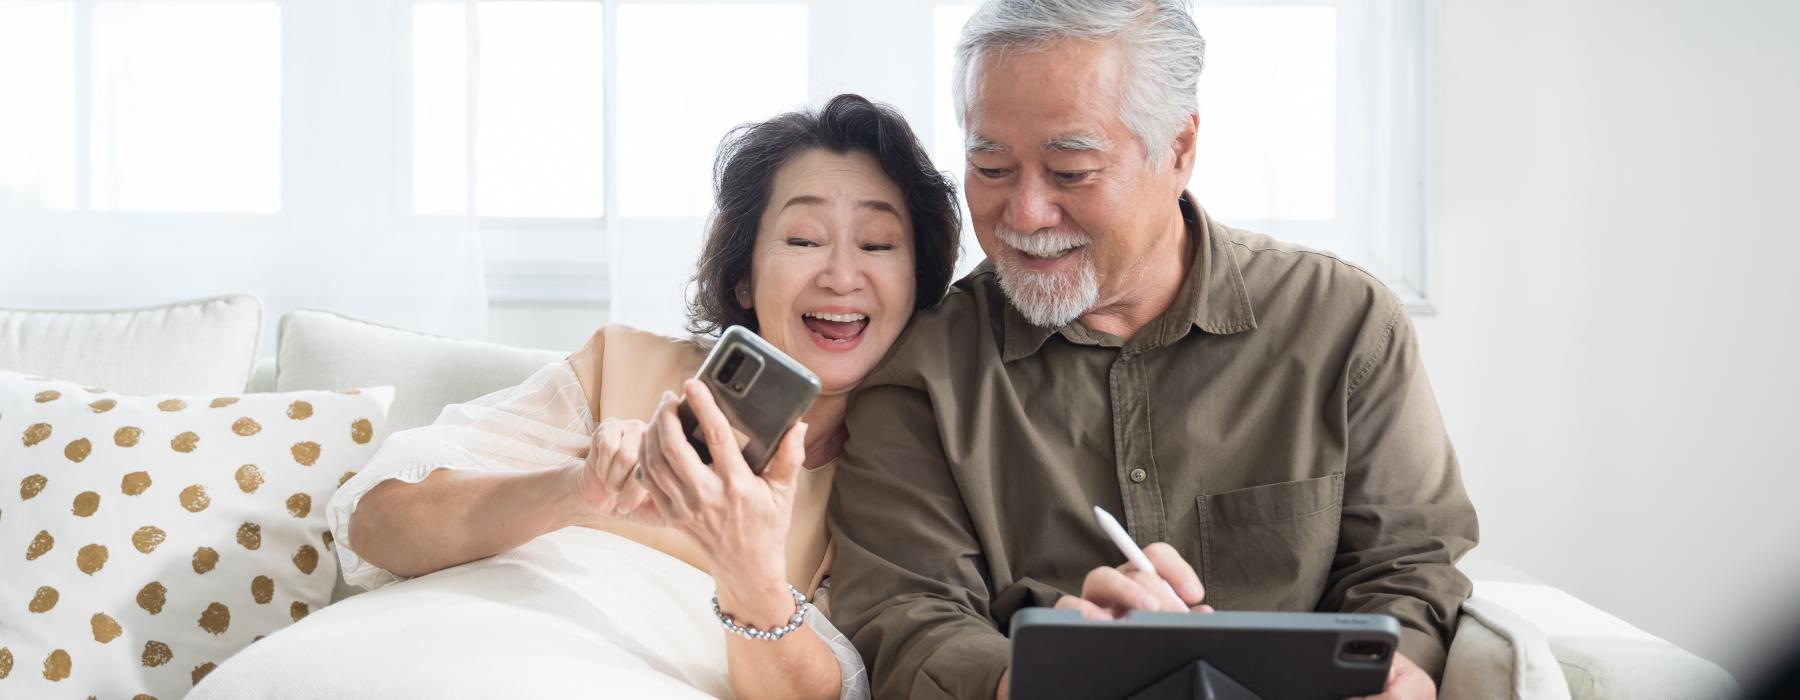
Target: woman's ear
<point x="743" y="294"/>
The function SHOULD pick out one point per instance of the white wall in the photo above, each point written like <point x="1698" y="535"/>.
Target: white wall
<point x="1614" y="273"/>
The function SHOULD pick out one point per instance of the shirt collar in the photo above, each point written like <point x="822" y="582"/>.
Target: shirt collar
<point x="1213" y="298"/>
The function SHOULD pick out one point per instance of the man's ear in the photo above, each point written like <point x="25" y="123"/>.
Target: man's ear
<point x="1183" y="148"/>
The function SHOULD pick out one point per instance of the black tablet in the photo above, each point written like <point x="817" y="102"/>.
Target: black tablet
<point x="1223" y="655"/>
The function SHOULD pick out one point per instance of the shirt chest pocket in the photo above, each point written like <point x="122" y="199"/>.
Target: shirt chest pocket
<point x="1270" y="547"/>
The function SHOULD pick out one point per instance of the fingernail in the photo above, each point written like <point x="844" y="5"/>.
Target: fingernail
<point x="1145" y="602"/>
<point x="1191" y="591"/>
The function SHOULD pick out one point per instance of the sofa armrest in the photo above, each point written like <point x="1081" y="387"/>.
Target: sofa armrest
<point x="1599" y="655"/>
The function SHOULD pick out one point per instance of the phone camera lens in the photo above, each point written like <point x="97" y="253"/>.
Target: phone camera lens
<point x="1364" y="651"/>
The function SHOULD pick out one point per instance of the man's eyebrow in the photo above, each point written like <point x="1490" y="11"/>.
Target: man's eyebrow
<point x="1077" y="142"/>
<point x="976" y="143"/>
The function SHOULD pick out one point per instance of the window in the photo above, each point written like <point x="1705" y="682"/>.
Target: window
<point x="580" y="134"/>
<point x="148" y="118"/>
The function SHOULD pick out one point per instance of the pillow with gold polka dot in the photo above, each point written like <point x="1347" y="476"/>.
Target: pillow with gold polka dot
<point x="145" y="539"/>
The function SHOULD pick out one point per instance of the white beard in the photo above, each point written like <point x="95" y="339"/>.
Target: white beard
<point x="1048" y="299"/>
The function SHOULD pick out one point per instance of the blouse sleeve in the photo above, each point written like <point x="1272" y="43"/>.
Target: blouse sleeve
<point x="542" y="423"/>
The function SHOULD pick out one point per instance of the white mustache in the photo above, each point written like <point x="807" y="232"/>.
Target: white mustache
<point x="1042" y="244"/>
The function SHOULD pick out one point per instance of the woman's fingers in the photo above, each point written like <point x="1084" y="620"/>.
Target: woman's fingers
<point x="681" y="463"/>
<point x="629" y="448"/>
<point x="728" y="457"/>
<point x="784" y="467"/>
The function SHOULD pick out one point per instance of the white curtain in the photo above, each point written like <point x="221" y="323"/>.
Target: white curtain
<point x="154" y="150"/>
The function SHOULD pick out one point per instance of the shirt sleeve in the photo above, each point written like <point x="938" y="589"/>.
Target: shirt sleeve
<point x="908" y="584"/>
<point x="541" y="423"/>
<point x="1406" y="518"/>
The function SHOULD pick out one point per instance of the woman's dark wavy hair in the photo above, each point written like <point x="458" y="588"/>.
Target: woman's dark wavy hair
<point x="744" y="174"/>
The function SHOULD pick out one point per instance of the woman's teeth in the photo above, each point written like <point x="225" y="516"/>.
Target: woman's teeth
<point x="836" y="318"/>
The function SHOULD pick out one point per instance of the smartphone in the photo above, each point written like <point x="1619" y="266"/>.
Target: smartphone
<point x="761" y="391"/>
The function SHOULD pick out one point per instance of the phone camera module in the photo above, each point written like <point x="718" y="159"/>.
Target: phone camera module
<point x="1363" y="652"/>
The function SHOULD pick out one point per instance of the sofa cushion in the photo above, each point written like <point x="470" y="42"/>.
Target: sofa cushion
<point x="163" y="533"/>
<point x="198" y="346"/>
<point x="321" y="349"/>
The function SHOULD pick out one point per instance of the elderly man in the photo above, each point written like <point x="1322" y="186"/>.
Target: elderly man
<point x="1257" y="409"/>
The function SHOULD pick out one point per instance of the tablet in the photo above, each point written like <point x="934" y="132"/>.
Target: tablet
<point x="1059" y="654"/>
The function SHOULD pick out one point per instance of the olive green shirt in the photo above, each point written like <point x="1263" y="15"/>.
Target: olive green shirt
<point x="1274" y="425"/>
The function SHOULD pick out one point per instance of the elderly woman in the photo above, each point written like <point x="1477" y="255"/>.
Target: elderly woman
<point x="831" y="230"/>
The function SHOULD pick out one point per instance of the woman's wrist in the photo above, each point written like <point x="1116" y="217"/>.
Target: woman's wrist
<point x="571" y="500"/>
<point x="761" y="601"/>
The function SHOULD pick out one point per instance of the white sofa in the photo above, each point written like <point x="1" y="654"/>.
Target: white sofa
<point x="1518" y="637"/>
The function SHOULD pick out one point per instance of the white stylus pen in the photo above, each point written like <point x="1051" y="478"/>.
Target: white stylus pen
<point x="1133" y="554"/>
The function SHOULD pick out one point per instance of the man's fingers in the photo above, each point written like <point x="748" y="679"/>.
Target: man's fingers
<point x="1114" y="590"/>
<point x="1159" y="589"/>
<point x="1177" y="571"/>
<point x="1088" y="610"/>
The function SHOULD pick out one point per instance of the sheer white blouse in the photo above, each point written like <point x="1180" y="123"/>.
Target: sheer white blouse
<point x="548" y="422"/>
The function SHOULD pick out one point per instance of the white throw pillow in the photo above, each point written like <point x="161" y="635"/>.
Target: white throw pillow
<point x="204" y="345"/>
<point x="324" y="350"/>
<point x="146" y="539"/>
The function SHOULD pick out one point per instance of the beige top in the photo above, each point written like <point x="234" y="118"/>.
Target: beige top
<point x="624" y="371"/>
<point x="547" y="422"/>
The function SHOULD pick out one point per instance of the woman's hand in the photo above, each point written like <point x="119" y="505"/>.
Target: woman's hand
<point x="604" y="483"/>
<point x="739" y="518"/>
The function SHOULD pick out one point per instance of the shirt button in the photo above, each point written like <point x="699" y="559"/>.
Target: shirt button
<point x="1138" y="475"/>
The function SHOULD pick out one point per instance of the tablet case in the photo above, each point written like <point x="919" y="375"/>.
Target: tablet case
<point x="1221" y="655"/>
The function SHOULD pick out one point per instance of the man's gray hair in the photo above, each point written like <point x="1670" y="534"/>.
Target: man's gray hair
<point x="1164" y="53"/>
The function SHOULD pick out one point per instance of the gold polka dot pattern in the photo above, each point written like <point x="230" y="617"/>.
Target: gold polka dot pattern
<point x="148" y="538"/>
<point x="91" y="558"/>
<point x="249" y="478"/>
<point x="56" y="666"/>
<point x="306" y="453"/>
<point x="78" y="450"/>
<point x="246" y="427"/>
<point x="86" y="503"/>
<point x="180" y="562"/>
<point x="156" y="654"/>
<point x="299" y="505"/>
<point x="38" y="432"/>
<point x="185" y="442"/>
<point x="105" y="628"/>
<point x="215" y="619"/>
<point x="30" y="486"/>
<point x="134" y="483"/>
<point x="250" y="535"/>
<point x="194" y="498"/>
<point x="205" y="559"/>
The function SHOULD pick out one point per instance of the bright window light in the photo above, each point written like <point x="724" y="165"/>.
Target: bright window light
<point x="186" y="106"/>
<point x="675" y="104"/>
<point x="37" y="89"/>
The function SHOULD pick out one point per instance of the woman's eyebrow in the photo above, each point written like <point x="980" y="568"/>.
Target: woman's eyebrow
<point x="815" y="200"/>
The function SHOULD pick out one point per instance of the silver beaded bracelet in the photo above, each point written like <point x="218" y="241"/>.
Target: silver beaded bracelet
<point x="799" y="618"/>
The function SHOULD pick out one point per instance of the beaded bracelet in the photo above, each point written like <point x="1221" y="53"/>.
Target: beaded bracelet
<point x="799" y="618"/>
